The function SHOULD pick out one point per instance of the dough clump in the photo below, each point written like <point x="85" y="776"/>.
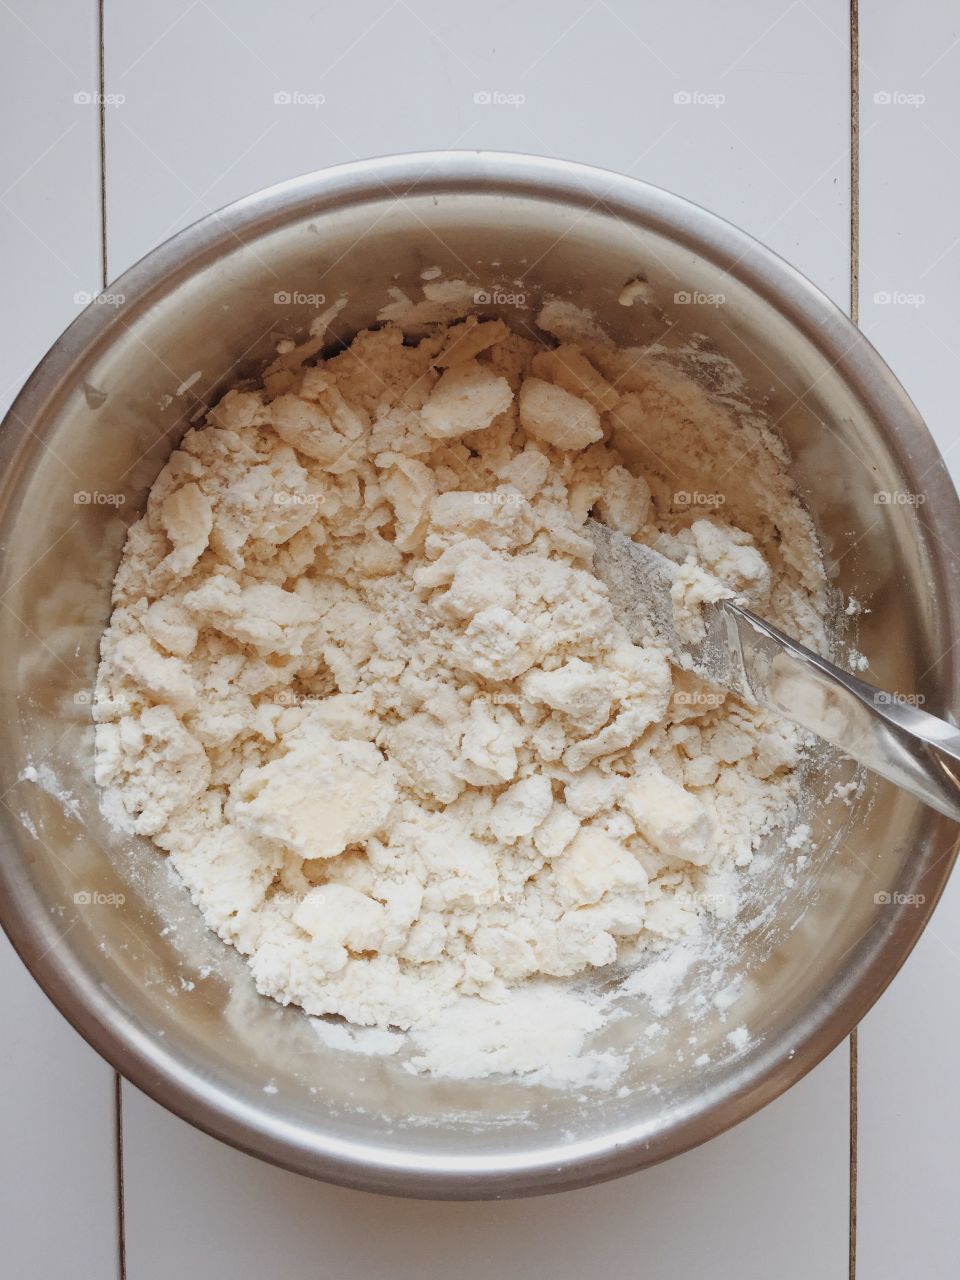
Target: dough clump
<point x="362" y="687"/>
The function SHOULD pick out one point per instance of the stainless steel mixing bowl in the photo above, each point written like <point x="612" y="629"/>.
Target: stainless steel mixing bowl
<point x="111" y="936"/>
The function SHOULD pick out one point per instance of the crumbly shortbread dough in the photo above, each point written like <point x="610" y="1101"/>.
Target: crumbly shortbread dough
<point x="362" y="686"/>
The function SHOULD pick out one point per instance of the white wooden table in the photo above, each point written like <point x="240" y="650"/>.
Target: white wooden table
<point x="862" y="200"/>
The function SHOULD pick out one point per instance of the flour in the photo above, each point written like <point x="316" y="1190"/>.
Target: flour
<point x="538" y="1031"/>
<point x="45" y="778"/>
<point x="362" y="687"/>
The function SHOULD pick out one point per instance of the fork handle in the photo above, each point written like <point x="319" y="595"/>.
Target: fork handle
<point x="894" y="738"/>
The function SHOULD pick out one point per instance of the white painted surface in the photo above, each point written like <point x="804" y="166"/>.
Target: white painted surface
<point x="57" y="1187"/>
<point x="910" y="286"/>
<point x="739" y="1206"/>
<point x="199" y="125"/>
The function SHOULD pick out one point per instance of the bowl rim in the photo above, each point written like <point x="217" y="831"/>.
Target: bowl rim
<point x="146" y="1060"/>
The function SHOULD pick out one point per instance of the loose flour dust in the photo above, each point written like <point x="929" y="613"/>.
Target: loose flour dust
<point x="362" y="687"/>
